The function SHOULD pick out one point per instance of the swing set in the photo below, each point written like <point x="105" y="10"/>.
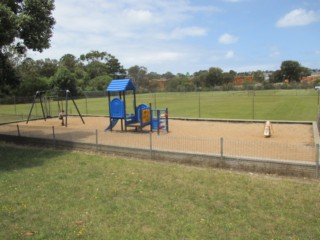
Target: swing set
<point x="43" y="99"/>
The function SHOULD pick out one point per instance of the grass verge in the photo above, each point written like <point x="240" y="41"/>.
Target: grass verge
<point x="50" y="194"/>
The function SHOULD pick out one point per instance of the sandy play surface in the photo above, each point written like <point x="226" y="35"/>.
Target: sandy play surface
<point x="283" y="133"/>
<point x="288" y="141"/>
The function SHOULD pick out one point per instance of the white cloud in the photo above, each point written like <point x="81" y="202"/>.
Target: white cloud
<point x="228" y="39"/>
<point x="129" y="29"/>
<point x="157" y="57"/>
<point x="165" y="35"/>
<point x="298" y="17"/>
<point x="232" y="1"/>
<point x="274" y="52"/>
<point x="179" y="33"/>
<point x="138" y="16"/>
<point x="230" y="54"/>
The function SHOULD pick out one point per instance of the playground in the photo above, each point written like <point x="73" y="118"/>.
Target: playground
<point x="292" y="141"/>
<point x="293" y="133"/>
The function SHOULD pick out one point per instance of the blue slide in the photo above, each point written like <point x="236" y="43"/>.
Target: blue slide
<point x="113" y="123"/>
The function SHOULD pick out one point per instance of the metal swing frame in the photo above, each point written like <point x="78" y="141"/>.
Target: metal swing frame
<point x="45" y="114"/>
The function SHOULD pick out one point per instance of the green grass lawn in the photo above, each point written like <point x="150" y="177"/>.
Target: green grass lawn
<point x="60" y="195"/>
<point x="297" y="105"/>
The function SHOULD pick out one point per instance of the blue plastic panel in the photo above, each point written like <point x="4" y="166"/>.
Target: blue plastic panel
<point x="120" y="85"/>
<point x="117" y="108"/>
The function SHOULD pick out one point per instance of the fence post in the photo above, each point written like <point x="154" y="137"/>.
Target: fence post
<point x="221" y="148"/>
<point x="18" y="130"/>
<point x="150" y="141"/>
<point x="317" y="160"/>
<point x="86" y="105"/>
<point x="97" y="139"/>
<point x="53" y="137"/>
<point x="199" y="104"/>
<point x="253" y="94"/>
<point x="15" y="105"/>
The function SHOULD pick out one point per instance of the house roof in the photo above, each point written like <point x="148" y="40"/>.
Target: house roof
<point x="118" y="85"/>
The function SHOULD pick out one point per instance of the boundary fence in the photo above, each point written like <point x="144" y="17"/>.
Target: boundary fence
<point x="284" y="159"/>
<point x="264" y="104"/>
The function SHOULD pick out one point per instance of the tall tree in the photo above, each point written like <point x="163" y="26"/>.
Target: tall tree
<point x="8" y="77"/>
<point x="32" y="77"/>
<point x="258" y="76"/>
<point x="64" y="80"/>
<point x="28" y="23"/>
<point x="25" y="24"/>
<point x="138" y="75"/>
<point x="115" y="69"/>
<point x="48" y="67"/>
<point x="276" y="77"/>
<point x="93" y="56"/>
<point x="69" y="61"/>
<point x="199" y="79"/>
<point x="168" y="75"/>
<point x="107" y="64"/>
<point x="291" y="70"/>
<point x="214" y="77"/>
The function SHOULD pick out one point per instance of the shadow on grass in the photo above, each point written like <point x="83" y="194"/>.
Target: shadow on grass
<point x="15" y="158"/>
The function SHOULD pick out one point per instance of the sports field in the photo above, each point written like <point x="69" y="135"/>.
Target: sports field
<point x="296" y="105"/>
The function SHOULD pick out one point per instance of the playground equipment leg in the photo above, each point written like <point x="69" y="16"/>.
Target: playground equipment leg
<point x="158" y="120"/>
<point x="74" y="103"/>
<point x="34" y="100"/>
<point x="38" y="93"/>
<point x="44" y="116"/>
<point x="167" y="120"/>
<point x="66" y="108"/>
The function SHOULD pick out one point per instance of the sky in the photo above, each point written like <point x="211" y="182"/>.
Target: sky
<point x="186" y="36"/>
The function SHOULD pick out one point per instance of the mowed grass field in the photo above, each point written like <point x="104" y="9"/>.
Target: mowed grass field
<point x="295" y="105"/>
<point x="47" y="194"/>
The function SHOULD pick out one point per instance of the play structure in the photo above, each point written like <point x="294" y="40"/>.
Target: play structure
<point x="45" y="108"/>
<point x="143" y="114"/>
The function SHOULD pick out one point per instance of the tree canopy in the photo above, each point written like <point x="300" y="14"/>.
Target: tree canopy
<point x="24" y="24"/>
<point x="292" y="71"/>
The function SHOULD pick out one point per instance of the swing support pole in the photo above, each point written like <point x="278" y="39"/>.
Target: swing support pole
<point x="37" y="95"/>
<point x="67" y="108"/>
<point x="75" y="105"/>
<point x="69" y="95"/>
<point x="45" y="110"/>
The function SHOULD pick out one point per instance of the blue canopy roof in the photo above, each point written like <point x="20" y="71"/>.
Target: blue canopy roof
<point x="118" y="85"/>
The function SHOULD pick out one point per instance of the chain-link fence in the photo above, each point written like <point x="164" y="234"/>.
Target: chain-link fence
<point x="298" y="105"/>
<point x="293" y="159"/>
<point x="273" y="104"/>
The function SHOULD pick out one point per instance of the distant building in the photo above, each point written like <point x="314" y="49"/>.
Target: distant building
<point x="266" y="76"/>
<point x="240" y="80"/>
<point x="312" y="78"/>
<point x="315" y="73"/>
<point x="309" y="79"/>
